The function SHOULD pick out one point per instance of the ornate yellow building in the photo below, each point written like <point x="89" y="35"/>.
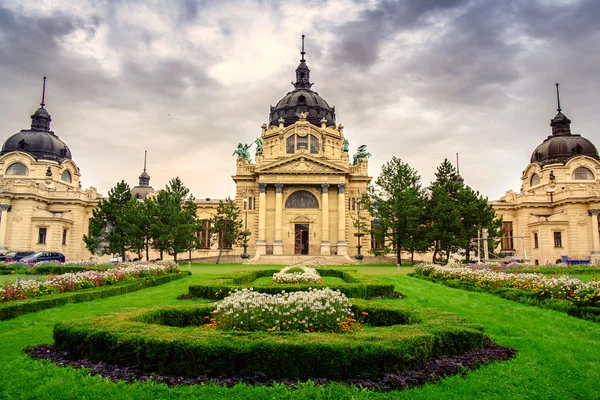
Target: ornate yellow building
<point x="42" y="206"/>
<point x="300" y="196"/>
<point x="555" y="214"/>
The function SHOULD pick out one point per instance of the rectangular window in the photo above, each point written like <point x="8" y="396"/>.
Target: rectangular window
<point x="557" y="239"/>
<point x="536" y="242"/>
<point x="204" y="234"/>
<point x="314" y="145"/>
<point x="290" y="144"/>
<point x="42" y="236"/>
<point x="302" y="142"/>
<point x="507" y="239"/>
<point x="64" y="238"/>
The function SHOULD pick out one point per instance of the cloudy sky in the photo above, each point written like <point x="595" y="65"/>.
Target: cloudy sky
<point x="187" y="81"/>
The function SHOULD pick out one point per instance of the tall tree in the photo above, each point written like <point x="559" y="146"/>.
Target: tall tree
<point x="184" y="221"/>
<point x="226" y="226"/>
<point x="398" y="202"/>
<point x="443" y="210"/>
<point x="114" y="222"/>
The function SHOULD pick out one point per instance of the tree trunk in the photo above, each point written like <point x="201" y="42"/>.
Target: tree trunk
<point x="161" y="254"/>
<point x="175" y="256"/>
<point x="147" y="249"/>
<point x="190" y="254"/>
<point x="399" y="253"/>
<point x="468" y="252"/>
<point x="412" y="257"/>
<point x="435" y="251"/>
<point x="123" y="256"/>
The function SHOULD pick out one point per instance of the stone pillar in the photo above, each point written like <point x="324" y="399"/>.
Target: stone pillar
<point x="3" y="224"/>
<point x="278" y="244"/>
<point x="342" y="246"/>
<point x="595" y="257"/>
<point x="261" y="243"/>
<point x="325" y="245"/>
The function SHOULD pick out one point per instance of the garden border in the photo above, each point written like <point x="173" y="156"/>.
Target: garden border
<point x="356" y="285"/>
<point x="520" y="296"/>
<point x="122" y="338"/>
<point x="13" y="309"/>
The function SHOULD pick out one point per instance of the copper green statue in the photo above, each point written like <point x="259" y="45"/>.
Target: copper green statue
<point x="259" y="146"/>
<point x="345" y="146"/>
<point x="242" y="151"/>
<point x="361" y="153"/>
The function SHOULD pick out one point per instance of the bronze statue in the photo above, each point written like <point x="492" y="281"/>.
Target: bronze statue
<point x="361" y="153"/>
<point x="345" y="146"/>
<point x="259" y="146"/>
<point x="242" y="151"/>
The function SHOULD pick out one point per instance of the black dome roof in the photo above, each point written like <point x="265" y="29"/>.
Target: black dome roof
<point x="562" y="145"/>
<point x="39" y="141"/>
<point x="302" y="100"/>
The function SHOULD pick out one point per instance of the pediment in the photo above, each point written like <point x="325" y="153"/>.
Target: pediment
<point x="302" y="164"/>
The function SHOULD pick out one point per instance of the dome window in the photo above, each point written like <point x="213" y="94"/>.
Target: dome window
<point x="535" y="180"/>
<point x="290" y="144"/>
<point x="302" y="99"/>
<point x="314" y="145"/>
<point x="66" y="176"/>
<point x="302" y="143"/>
<point x="582" y="174"/>
<point x="17" y="169"/>
<point x="23" y="145"/>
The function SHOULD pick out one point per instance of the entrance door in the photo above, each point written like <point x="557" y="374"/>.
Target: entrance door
<point x="301" y="239"/>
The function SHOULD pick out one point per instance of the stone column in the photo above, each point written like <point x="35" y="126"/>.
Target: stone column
<point x="342" y="247"/>
<point x="325" y="245"/>
<point x="3" y="224"/>
<point x="595" y="257"/>
<point x="278" y="244"/>
<point x="261" y="243"/>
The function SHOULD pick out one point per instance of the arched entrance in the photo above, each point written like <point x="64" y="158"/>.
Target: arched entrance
<point x="301" y="237"/>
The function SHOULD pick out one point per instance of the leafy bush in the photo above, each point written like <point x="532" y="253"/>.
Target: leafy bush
<point x="355" y="285"/>
<point x="126" y="338"/>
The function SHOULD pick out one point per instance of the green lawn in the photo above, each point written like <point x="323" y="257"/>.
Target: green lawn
<point x="559" y="356"/>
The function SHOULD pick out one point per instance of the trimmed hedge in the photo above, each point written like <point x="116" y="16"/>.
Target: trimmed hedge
<point x="62" y="269"/>
<point x="355" y="285"/>
<point x="523" y="297"/>
<point x="579" y="270"/>
<point x="13" y="309"/>
<point x="141" y="338"/>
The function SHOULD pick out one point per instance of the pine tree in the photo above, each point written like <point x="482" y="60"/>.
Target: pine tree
<point x="398" y="203"/>
<point x="113" y="223"/>
<point x="226" y="226"/>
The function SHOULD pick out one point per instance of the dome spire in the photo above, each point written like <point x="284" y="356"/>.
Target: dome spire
<point x="40" y="120"/>
<point x="144" y="177"/>
<point x="302" y="72"/>
<point x="561" y="124"/>
<point x="43" y="93"/>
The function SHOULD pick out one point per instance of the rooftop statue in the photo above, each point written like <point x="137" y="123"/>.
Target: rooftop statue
<point x="361" y="153"/>
<point x="259" y="146"/>
<point x="242" y="151"/>
<point x="345" y="146"/>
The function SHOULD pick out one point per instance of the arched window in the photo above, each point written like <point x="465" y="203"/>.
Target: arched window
<point x="314" y="144"/>
<point x="17" y="169"/>
<point x="583" y="174"/>
<point x="535" y="180"/>
<point x="302" y="199"/>
<point x="66" y="176"/>
<point x="290" y="144"/>
<point x="302" y="142"/>
<point x="302" y="99"/>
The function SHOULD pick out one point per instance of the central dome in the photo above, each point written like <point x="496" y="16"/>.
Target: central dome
<point x="302" y="100"/>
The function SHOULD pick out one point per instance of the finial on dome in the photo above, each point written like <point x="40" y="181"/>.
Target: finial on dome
<point x="558" y="98"/>
<point x="145" y="155"/>
<point x="43" y="93"/>
<point x="302" y="52"/>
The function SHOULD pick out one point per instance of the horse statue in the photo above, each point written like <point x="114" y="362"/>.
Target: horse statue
<point x="242" y="151"/>
<point x="361" y="153"/>
<point x="345" y="146"/>
<point x="259" y="146"/>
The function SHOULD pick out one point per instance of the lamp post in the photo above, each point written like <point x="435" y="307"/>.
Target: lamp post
<point x="245" y="254"/>
<point x="358" y="235"/>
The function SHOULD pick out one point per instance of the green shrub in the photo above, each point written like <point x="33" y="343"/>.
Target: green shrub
<point x="14" y="309"/>
<point x="355" y="285"/>
<point x="184" y="349"/>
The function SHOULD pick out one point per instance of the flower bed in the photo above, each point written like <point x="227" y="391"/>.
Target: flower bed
<point x="579" y="298"/>
<point x="297" y="274"/>
<point x="355" y="285"/>
<point x="69" y="282"/>
<point x="167" y="340"/>
<point x="316" y="310"/>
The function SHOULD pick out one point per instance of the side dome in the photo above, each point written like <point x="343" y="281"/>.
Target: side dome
<point x="39" y="141"/>
<point x="302" y="100"/>
<point x="562" y="145"/>
<point x="42" y="145"/>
